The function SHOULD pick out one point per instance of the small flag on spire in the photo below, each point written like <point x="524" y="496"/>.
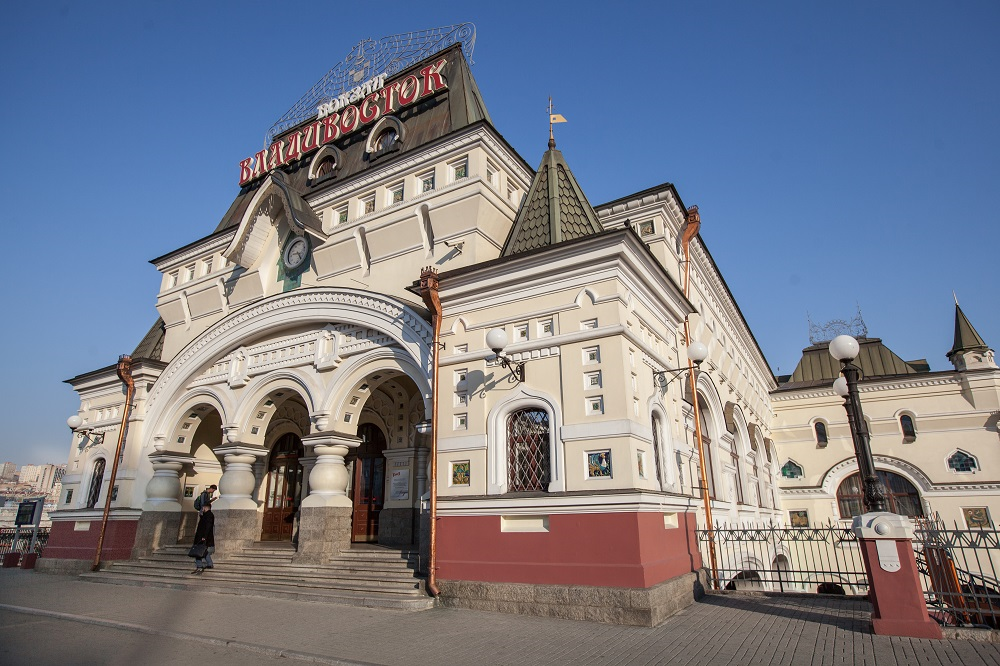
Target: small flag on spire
<point x="556" y="118"/>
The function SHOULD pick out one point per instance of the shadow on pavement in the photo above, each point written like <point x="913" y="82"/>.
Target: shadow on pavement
<point x="846" y="614"/>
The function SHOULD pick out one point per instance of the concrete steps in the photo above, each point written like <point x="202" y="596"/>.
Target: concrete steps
<point x="371" y="577"/>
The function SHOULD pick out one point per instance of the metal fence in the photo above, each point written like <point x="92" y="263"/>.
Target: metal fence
<point x="23" y="541"/>
<point x="825" y="560"/>
<point x="958" y="570"/>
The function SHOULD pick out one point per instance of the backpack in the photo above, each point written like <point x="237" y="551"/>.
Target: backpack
<point x="200" y="502"/>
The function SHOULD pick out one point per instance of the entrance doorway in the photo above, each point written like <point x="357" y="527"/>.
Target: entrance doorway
<point x="369" y="484"/>
<point x="284" y="488"/>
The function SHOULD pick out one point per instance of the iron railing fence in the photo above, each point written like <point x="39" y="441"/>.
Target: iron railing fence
<point x="959" y="572"/>
<point x="824" y="559"/>
<point x="7" y="544"/>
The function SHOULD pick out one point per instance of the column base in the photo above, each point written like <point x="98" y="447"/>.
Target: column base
<point x="155" y="530"/>
<point x="909" y="628"/>
<point x="323" y="532"/>
<point x="235" y="529"/>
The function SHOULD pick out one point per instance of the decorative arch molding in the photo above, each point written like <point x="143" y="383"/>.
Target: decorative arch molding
<point x="187" y="404"/>
<point x="327" y="151"/>
<point x="354" y="372"/>
<point x="496" y="438"/>
<point x="585" y="294"/>
<point x="288" y="379"/>
<point x="836" y="474"/>
<point x="303" y="307"/>
<point x="384" y="123"/>
<point x="714" y="402"/>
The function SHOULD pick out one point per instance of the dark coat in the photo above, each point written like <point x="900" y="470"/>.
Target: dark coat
<point x="206" y="529"/>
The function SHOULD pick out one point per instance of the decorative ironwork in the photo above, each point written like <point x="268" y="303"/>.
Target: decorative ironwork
<point x="824" y="332"/>
<point x="369" y="58"/>
<point x="959" y="573"/>
<point x="825" y="559"/>
<point x="528" y="450"/>
<point x="7" y="544"/>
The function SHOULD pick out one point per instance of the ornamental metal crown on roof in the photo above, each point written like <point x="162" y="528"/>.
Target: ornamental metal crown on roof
<point x="369" y="58"/>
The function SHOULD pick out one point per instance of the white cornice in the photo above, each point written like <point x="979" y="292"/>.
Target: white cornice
<point x="208" y="246"/>
<point x="635" y="501"/>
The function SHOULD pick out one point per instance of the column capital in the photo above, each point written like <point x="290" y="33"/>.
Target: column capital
<point x="239" y="449"/>
<point x="331" y="439"/>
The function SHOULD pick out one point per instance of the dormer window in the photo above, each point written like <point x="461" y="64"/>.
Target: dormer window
<point x="326" y="167"/>
<point x="385" y="140"/>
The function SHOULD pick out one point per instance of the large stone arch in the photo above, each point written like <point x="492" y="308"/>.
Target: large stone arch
<point x="301" y="308"/>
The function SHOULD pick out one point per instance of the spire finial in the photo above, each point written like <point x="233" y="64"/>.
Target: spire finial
<point x="955" y="296"/>
<point x="553" y="118"/>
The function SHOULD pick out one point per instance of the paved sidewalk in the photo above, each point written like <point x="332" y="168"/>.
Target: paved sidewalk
<point x="60" y="619"/>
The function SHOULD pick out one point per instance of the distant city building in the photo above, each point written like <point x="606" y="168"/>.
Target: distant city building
<point x="41" y="478"/>
<point x="8" y="471"/>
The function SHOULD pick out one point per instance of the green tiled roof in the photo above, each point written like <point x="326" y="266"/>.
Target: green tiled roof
<point x="554" y="210"/>
<point x="817" y="367"/>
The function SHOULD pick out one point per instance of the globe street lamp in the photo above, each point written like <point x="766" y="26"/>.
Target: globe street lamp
<point x="845" y="349"/>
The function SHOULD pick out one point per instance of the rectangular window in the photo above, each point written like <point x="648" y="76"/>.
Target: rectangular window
<point x="595" y="405"/>
<point x="592" y="380"/>
<point x="341" y="215"/>
<point x="368" y="204"/>
<point x="461" y="421"/>
<point x="173" y="279"/>
<point x="426" y="181"/>
<point x="591" y="355"/>
<point x="520" y="332"/>
<point x="635" y="383"/>
<point x="189" y="273"/>
<point x="588" y="324"/>
<point x="460" y="376"/>
<point x="646" y="228"/>
<point x="545" y="328"/>
<point x="114" y="493"/>
<point x="208" y="266"/>
<point x="460" y="349"/>
<point x="188" y="491"/>
<point x="69" y="496"/>
<point x="396" y="194"/>
<point x="513" y="194"/>
<point x="635" y="407"/>
<point x="461" y="399"/>
<point x="631" y="357"/>
<point x="492" y="174"/>
<point x="460" y="169"/>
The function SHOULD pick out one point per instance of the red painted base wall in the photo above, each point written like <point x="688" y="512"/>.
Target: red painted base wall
<point x="66" y="543"/>
<point x="599" y="549"/>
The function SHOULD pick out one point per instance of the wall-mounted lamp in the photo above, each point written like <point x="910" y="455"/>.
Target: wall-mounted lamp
<point x="696" y="352"/>
<point x="496" y="340"/>
<point x="75" y="424"/>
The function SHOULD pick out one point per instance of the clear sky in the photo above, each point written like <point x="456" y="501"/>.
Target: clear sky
<point x="842" y="154"/>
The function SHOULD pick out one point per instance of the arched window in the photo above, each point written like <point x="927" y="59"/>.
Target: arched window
<point x="821" y="438"/>
<point x="908" y="428"/>
<point x="656" y="449"/>
<point x="901" y="496"/>
<point x="528" y="464"/>
<point x="96" y="481"/>
<point x="706" y="446"/>
<point x="962" y="462"/>
<point x="791" y="470"/>
<point x="326" y="167"/>
<point x="734" y="457"/>
<point x="385" y="140"/>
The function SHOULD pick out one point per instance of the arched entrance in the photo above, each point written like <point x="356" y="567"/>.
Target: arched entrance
<point x="283" y="489"/>
<point x="369" y="484"/>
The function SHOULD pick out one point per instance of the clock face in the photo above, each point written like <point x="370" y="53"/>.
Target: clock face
<point x="296" y="253"/>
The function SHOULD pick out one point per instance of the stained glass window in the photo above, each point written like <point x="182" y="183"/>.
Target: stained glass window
<point x="960" y="461"/>
<point x="791" y="470"/>
<point x="528" y="450"/>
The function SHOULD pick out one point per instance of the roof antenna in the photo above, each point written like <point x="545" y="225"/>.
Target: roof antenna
<point x="553" y="118"/>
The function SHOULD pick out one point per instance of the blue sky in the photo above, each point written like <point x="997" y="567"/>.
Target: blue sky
<point x="842" y="155"/>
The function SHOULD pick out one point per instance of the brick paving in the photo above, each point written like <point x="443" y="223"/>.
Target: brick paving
<point x="720" y="629"/>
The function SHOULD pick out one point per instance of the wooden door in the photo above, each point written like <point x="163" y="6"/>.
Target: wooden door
<point x="369" y="484"/>
<point x="283" y="489"/>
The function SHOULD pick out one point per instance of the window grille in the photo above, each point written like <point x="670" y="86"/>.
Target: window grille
<point x="528" y="450"/>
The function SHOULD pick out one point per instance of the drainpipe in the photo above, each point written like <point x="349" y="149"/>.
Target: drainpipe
<point x="124" y="374"/>
<point x="690" y="231"/>
<point x="429" y="292"/>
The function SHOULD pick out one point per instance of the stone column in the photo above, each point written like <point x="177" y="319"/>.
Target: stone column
<point x="898" y="606"/>
<point x="237" y="521"/>
<point x="160" y="522"/>
<point x="325" y="515"/>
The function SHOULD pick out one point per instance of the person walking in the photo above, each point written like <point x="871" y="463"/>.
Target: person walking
<point x="205" y="533"/>
<point x="206" y="497"/>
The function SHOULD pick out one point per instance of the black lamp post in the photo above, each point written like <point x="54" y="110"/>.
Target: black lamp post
<point x="845" y="349"/>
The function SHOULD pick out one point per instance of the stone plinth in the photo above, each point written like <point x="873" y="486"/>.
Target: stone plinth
<point x="155" y="530"/>
<point x="235" y="529"/>
<point x="395" y="527"/>
<point x="323" y="531"/>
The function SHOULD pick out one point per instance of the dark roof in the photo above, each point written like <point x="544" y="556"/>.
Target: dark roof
<point x="458" y="106"/>
<point x="818" y="368"/>
<point x="151" y="346"/>
<point x="554" y="210"/>
<point x="966" y="337"/>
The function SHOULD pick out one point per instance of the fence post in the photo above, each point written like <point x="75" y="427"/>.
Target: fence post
<point x="898" y="606"/>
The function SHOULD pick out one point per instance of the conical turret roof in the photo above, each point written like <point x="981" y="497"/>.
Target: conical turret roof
<point x="555" y="209"/>
<point x="966" y="337"/>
